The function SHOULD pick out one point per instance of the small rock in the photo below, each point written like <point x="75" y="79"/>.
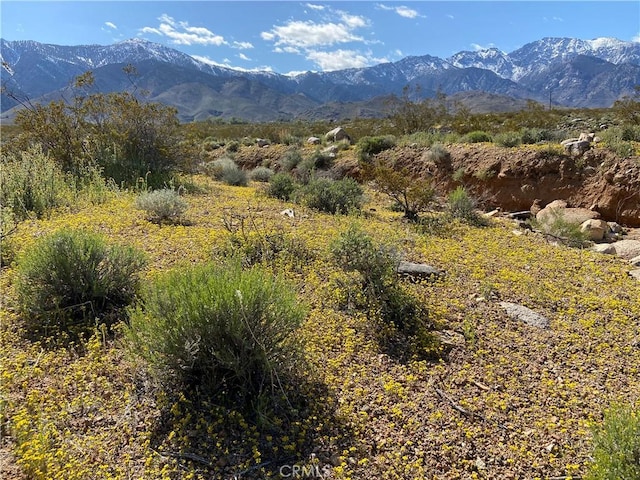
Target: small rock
<point x="288" y="212"/>
<point x="605" y="248"/>
<point x="635" y="273"/>
<point x="524" y="314"/>
<point x="262" y="142"/>
<point x="313" y="141"/>
<point x="337" y="135"/>
<point x="492" y="213"/>
<point x="615" y="227"/>
<point x="635" y="261"/>
<point x="418" y="270"/>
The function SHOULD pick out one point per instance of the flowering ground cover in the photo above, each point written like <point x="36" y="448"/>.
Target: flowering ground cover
<point x="507" y="401"/>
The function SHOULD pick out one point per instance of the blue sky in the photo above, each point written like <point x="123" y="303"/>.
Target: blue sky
<point x="289" y="36"/>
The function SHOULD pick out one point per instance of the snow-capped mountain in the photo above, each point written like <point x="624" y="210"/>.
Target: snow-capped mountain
<point x="587" y="73"/>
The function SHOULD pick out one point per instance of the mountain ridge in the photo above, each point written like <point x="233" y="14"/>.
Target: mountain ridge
<point x="609" y="68"/>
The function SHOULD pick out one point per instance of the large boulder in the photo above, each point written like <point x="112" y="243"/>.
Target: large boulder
<point x="338" y="134"/>
<point x="594" y="229"/>
<point x="559" y="209"/>
<point x="627" y="249"/>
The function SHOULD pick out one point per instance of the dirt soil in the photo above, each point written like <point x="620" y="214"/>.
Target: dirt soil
<point x="514" y="178"/>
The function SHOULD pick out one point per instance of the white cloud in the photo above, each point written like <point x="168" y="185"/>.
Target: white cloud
<point x="309" y="34"/>
<point x="315" y="7"/>
<point x="242" y="56"/>
<point x="477" y="47"/>
<point x="242" y="45"/>
<point x="341" y="59"/>
<point x="181" y="33"/>
<point x="401" y="10"/>
<point x="449" y="16"/>
<point x="111" y="25"/>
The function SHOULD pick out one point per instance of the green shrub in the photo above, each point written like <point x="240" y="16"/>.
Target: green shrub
<point x="235" y="177"/>
<point x="616" y="444"/>
<point x="332" y="196"/>
<point x="233" y="146"/>
<point x="382" y="295"/>
<point x="321" y="160"/>
<point x="370" y="146"/>
<point x="536" y="135"/>
<point x="412" y="196"/>
<point x="508" y="139"/>
<point x="218" y="327"/>
<point x="438" y="154"/>
<point x="290" y="160"/>
<point x="461" y="206"/>
<point x="261" y="174"/>
<point x="162" y="205"/>
<point x="32" y="183"/>
<point x="477" y="136"/>
<point x="73" y="277"/>
<point x="281" y="185"/>
<point x="355" y="250"/>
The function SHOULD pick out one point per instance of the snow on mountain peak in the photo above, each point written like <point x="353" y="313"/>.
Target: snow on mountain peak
<point x="605" y="42"/>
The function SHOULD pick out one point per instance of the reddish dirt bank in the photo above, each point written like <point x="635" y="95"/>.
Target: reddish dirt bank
<point x="515" y="178"/>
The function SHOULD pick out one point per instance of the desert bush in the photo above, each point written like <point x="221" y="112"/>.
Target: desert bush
<point x="162" y="205"/>
<point x="217" y="167"/>
<point x="218" y="327"/>
<point x="370" y="146"/>
<point x="73" y="277"/>
<point x="382" y="295"/>
<point x="320" y="160"/>
<point x="477" y="136"/>
<point x="290" y="159"/>
<point x="461" y="206"/>
<point x="332" y="196"/>
<point x="507" y="139"/>
<point x="616" y="442"/>
<point x="438" y="154"/>
<point x="261" y="174"/>
<point x="281" y="185"/>
<point x="32" y="183"/>
<point x="412" y="196"/>
<point x="536" y="135"/>
<point x="233" y="146"/>
<point x="235" y="177"/>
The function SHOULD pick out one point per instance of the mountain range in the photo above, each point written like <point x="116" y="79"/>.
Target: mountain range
<point x="565" y="71"/>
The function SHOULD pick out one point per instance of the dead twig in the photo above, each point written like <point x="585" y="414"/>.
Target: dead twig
<point x="443" y="395"/>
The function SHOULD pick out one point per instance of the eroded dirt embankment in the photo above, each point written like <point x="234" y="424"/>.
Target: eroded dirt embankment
<point x="515" y="178"/>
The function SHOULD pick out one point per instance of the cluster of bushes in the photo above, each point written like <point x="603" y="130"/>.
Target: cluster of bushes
<point x="215" y="326"/>
<point x="323" y="194"/>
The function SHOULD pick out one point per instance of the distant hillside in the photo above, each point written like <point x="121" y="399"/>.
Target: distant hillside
<point x="573" y="72"/>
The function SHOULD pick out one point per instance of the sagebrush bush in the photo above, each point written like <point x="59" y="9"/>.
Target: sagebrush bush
<point x="560" y="228"/>
<point x="73" y="277"/>
<point x="616" y="443"/>
<point x="438" y="154"/>
<point x="219" y="327"/>
<point x="332" y="196"/>
<point x="261" y="174"/>
<point x="281" y="185"/>
<point x="508" y="139"/>
<point x="162" y="205"/>
<point x="217" y="167"/>
<point x="370" y="146"/>
<point x="235" y="177"/>
<point x="32" y="183"/>
<point x="477" y="136"/>
<point x="290" y="159"/>
<point x="461" y="206"/>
